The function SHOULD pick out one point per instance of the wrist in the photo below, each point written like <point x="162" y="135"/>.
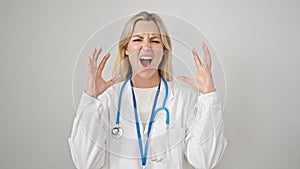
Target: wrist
<point x="210" y="87"/>
<point x="90" y="92"/>
<point x="208" y="90"/>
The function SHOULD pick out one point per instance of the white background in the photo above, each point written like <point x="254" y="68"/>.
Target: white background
<point x="257" y="41"/>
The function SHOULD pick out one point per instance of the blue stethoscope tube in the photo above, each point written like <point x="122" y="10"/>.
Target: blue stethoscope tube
<point x="117" y="131"/>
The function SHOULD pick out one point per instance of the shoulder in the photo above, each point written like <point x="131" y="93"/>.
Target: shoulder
<point x="181" y="90"/>
<point x="182" y="87"/>
<point x="112" y="92"/>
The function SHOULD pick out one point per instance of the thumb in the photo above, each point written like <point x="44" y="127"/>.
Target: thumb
<point x="186" y="79"/>
<point x="112" y="81"/>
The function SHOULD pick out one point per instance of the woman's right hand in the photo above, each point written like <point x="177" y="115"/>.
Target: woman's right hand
<point x="96" y="85"/>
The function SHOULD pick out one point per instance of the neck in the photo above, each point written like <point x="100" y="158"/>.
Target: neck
<point x="140" y="82"/>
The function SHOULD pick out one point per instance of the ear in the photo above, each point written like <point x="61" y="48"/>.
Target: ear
<point x="126" y="51"/>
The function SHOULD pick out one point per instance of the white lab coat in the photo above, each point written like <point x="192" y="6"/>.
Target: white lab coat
<point x="194" y="138"/>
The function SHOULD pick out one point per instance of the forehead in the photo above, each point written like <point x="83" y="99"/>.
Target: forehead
<point x="146" y="27"/>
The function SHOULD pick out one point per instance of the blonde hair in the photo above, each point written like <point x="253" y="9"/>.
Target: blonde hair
<point x="122" y="66"/>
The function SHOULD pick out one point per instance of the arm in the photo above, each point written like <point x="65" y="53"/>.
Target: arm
<point x="88" y="138"/>
<point x="87" y="141"/>
<point x="205" y="143"/>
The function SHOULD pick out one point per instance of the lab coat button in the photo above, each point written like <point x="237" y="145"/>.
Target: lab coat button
<point x="157" y="159"/>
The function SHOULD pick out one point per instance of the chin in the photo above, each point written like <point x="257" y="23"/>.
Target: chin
<point x="147" y="73"/>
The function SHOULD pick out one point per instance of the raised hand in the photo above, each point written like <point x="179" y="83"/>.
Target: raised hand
<point x="203" y="80"/>
<point x="96" y="85"/>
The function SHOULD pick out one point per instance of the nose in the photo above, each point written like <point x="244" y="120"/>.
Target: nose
<point x="146" y="45"/>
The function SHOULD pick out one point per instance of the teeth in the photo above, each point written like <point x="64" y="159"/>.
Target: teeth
<point x="146" y="58"/>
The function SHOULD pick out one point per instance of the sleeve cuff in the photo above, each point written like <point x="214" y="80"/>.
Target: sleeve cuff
<point x="87" y="97"/>
<point x="86" y="100"/>
<point x="209" y="114"/>
<point x="211" y="98"/>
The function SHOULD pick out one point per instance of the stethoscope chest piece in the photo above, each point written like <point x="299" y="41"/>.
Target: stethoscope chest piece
<point x="117" y="132"/>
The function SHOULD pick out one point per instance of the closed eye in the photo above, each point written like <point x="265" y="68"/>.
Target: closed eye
<point x="156" y="41"/>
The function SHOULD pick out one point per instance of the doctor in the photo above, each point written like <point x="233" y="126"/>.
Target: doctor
<point x="148" y="119"/>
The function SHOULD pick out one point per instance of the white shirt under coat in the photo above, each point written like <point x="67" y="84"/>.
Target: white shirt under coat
<point x="194" y="138"/>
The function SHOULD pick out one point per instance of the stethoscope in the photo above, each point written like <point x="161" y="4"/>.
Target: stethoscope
<point x="117" y="131"/>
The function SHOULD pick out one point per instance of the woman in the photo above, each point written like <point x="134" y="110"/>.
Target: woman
<point x="149" y="119"/>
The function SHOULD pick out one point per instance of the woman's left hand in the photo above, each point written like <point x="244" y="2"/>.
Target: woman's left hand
<point x="203" y="80"/>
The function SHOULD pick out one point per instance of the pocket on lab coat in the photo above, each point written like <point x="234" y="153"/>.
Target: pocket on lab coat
<point x="167" y="149"/>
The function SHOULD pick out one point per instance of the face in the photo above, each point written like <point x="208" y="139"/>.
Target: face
<point x="145" y="49"/>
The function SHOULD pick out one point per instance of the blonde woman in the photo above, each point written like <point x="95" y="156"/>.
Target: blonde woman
<point x="148" y="119"/>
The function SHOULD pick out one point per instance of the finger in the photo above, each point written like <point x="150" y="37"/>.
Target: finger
<point x="196" y="58"/>
<point x="94" y="53"/>
<point x="186" y="79"/>
<point x="102" y="65"/>
<point x="90" y="61"/>
<point x="97" y="54"/>
<point x="207" y="57"/>
<point x="112" y="81"/>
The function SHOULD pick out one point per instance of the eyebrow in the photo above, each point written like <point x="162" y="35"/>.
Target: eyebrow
<point x="140" y="36"/>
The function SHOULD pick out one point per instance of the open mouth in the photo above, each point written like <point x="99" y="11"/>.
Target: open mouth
<point x="146" y="61"/>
